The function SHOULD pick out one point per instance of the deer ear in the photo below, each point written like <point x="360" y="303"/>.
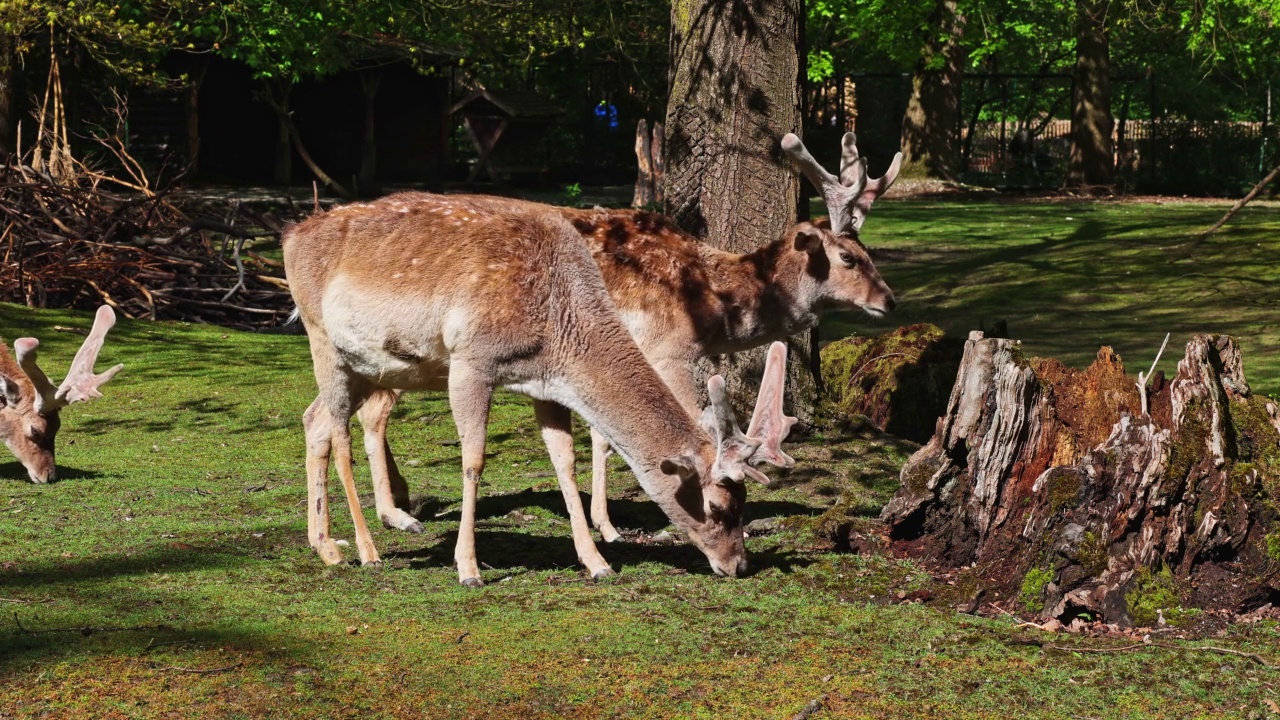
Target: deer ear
<point x="681" y="465"/>
<point x="808" y="239"/>
<point x="10" y="391"/>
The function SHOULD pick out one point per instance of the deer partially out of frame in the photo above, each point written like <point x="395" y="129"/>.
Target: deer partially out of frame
<point x="29" y="418"/>
<point x="414" y="292"/>
<point x="682" y="299"/>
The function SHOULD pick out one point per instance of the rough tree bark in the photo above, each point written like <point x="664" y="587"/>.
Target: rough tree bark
<point x="735" y="91"/>
<point x="1091" y="162"/>
<point x="1040" y="471"/>
<point x="933" y="112"/>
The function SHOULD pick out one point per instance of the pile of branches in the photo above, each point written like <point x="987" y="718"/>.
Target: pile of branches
<point x="70" y="243"/>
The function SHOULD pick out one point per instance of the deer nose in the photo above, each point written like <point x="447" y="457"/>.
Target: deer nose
<point x="890" y="303"/>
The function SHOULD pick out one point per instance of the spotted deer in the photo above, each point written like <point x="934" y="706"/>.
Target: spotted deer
<point x="30" y="417"/>
<point x="414" y="291"/>
<point x="682" y="299"/>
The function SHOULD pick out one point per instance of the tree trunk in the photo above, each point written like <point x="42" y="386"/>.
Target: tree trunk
<point x="1091" y="163"/>
<point x="735" y="91"/>
<point x="367" y="180"/>
<point x="278" y="94"/>
<point x="643" y="195"/>
<point x="8" y="137"/>
<point x="933" y="112"/>
<point x="1061" y="494"/>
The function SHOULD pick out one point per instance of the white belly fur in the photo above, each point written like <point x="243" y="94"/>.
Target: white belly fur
<point x="362" y="323"/>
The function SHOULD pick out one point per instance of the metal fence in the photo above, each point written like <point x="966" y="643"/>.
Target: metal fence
<point x="1013" y="132"/>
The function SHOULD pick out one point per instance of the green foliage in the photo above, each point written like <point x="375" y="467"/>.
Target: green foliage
<point x="1031" y="596"/>
<point x="572" y="193"/>
<point x="1272" y="541"/>
<point x="1155" y="595"/>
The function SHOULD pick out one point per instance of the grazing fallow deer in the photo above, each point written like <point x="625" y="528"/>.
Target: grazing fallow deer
<point x="413" y="291"/>
<point x="682" y="299"/>
<point x="29" y="418"/>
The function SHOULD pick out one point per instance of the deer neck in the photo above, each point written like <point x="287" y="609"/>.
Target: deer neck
<point x="760" y="296"/>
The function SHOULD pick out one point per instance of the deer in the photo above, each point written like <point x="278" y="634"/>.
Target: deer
<point x="412" y="292"/>
<point x="682" y="299"/>
<point x="30" y="417"/>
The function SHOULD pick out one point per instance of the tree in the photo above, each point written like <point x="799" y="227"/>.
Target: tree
<point x="1090" y="164"/>
<point x="929" y="126"/>
<point x="735" y="91"/>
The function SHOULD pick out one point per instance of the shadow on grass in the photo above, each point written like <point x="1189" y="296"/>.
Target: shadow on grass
<point x="175" y="557"/>
<point x="14" y="472"/>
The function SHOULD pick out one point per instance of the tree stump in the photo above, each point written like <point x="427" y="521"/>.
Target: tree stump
<point x="1050" y="486"/>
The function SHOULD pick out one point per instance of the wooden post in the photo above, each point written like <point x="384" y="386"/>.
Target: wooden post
<point x="644" y="175"/>
<point x="658" y="162"/>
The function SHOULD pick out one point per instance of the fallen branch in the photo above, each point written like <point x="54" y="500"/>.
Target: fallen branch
<point x="1235" y="208"/>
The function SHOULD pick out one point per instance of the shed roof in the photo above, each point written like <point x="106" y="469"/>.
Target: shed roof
<point x="524" y="104"/>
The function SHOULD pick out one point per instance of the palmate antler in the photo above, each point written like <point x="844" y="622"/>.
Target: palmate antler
<point x="769" y="426"/>
<point x="81" y="383"/>
<point x="768" y="422"/>
<point x="850" y="196"/>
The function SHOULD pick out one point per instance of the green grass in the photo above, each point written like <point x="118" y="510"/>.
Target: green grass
<point x="175" y="543"/>
<point x="1072" y="276"/>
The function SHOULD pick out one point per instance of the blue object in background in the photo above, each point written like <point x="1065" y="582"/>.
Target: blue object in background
<point x="608" y="112"/>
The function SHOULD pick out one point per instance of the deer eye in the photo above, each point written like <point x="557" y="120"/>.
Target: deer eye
<point x="848" y="258"/>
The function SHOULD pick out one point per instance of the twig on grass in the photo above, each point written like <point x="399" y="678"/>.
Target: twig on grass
<point x="1139" y="646"/>
<point x="86" y="630"/>
<point x="197" y="671"/>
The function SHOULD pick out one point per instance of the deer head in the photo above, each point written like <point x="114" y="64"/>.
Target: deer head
<point x="722" y="477"/>
<point x="839" y="270"/>
<point x="29" y="419"/>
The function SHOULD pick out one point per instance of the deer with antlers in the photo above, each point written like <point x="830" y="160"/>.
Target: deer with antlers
<point x="682" y="299"/>
<point x="30" y="416"/>
<point x="415" y="292"/>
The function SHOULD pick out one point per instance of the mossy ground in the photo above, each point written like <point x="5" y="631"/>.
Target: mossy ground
<point x="168" y="575"/>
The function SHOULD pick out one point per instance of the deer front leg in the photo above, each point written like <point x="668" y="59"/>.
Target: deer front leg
<point x="557" y="434"/>
<point x="470" y="393"/>
<point x="599" y="487"/>
<point x="373" y="417"/>
<point x="315" y="422"/>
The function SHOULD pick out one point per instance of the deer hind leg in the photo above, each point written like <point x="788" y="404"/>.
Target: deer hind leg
<point x="315" y="422"/>
<point x="557" y="434"/>
<point x="600" y="451"/>
<point x="374" y="414"/>
<point x="470" y="393"/>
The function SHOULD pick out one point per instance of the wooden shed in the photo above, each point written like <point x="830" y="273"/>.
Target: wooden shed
<point x="506" y="126"/>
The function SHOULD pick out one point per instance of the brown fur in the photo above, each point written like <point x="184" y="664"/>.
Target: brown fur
<point x="682" y="299"/>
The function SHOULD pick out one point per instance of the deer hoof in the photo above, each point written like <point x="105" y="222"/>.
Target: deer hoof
<point x="329" y="552"/>
<point x="603" y="573"/>
<point x="609" y="534"/>
<point x="414" y="527"/>
<point x="472" y="582"/>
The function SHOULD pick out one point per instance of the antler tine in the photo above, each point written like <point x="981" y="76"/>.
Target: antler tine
<point x="837" y="196"/>
<point x="768" y="423"/>
<point x="733" y="448"/>
<point x="25" y="349"/>
<point x="874" y="189"/>
<point x="80" y="383"/>
<point x="853" y="167"/>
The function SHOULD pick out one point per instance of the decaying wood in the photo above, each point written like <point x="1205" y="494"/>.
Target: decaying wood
<point x="1039" y="467"/>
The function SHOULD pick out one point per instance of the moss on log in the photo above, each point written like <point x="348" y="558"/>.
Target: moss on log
<point x="1036" y="468"/>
